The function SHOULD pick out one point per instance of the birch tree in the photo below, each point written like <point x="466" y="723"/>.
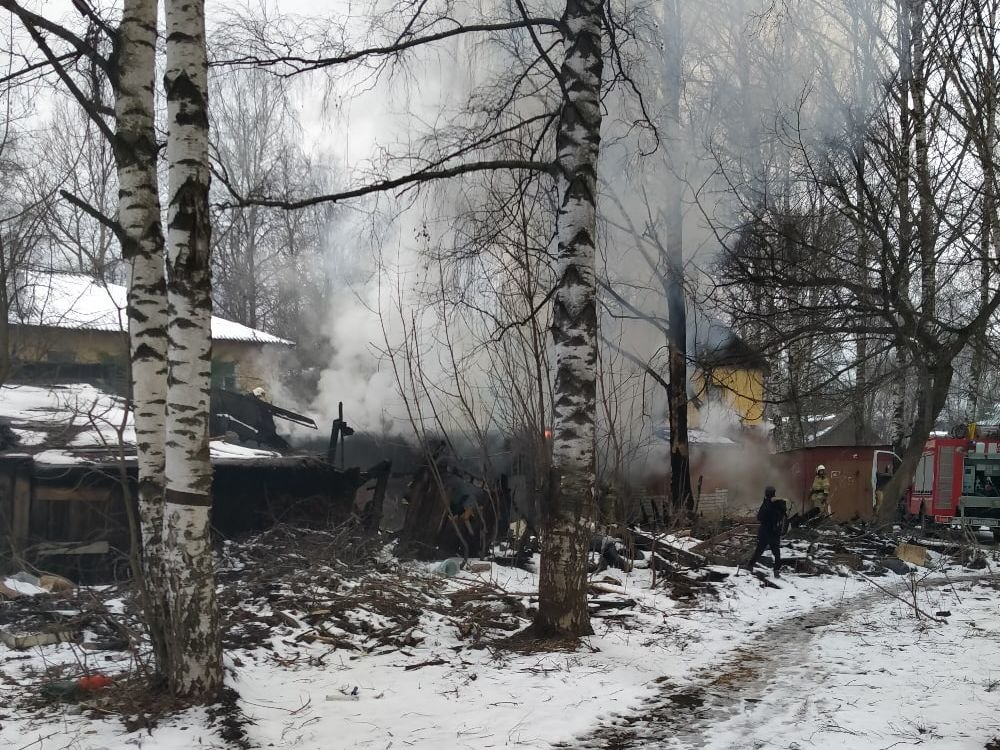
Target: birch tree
<point x="181" y="605"/>
<point x="562" y="581"/>
<point x="196" y="661"/>
<point x="130" y="71"/>
<point x="136" y="157"/>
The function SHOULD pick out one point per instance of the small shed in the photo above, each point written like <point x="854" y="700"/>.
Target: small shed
<point x="853" y="454"/>
<point x="72" y="518"/>
<point x="851" y="470"/>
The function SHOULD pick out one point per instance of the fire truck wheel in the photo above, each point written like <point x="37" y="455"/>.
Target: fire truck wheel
<point x="996" y="535"/>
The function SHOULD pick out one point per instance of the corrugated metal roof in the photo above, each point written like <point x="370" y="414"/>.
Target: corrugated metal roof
<point x="67" y="300"/>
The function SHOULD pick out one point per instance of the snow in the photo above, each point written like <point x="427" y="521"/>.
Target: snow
<point x="822" y="662"/>
<point x="885" y="679"/>
<point x="65" y="300"/>
<point x="697" y="436"/>
<point x="222" y="449"/>
<point x="23" y="587"/>
<point x="82" y="419"/>
<point x="59" y="458"/>
<point x="75" y="414"/>
<point x="821" y="433"/>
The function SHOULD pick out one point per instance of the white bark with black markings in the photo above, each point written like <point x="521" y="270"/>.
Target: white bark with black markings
<point x="196" y="669"/>
<point x="562" y="609"/>
<point x="142" y="246"/>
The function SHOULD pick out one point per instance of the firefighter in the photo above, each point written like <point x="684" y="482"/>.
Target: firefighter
<point x="771" y="515"/>
<point x="819" y="496"/>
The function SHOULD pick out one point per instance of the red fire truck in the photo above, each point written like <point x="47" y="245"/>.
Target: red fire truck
<point x="957" y="481"/>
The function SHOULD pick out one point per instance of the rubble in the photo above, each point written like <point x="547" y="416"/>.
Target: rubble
<point x="320" y="587"/>
<point x="33" y="632"/>
<point x="7" y="592"/>
<point x="57" y="612"/>
<point x="814" y="545"/>
<point x="74" y="690"/>
<point x="912" y="553"/>
<point x="323" y="602"/>
<point x="895" y="565"/>
<point x="56" y="584"/>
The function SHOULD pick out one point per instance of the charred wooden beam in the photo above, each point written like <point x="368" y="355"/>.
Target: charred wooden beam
<point x="676" y="555"/>
<point x="372" y="515"/>
<point x="338" y="431"/>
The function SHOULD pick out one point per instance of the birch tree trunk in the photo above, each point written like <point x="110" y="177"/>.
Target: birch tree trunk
<point x="562" y="607"/>
<point x="142" y="247"/>
<point x="196" y="668"/>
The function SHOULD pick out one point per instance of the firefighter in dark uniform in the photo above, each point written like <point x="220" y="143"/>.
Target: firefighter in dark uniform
<point x="771" y="515"/>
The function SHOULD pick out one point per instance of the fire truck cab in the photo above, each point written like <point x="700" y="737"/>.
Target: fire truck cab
<point x="957" y="481"/>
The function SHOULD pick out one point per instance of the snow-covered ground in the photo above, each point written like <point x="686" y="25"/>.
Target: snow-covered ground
<point x="874" y="676"/>
<point x="822" y="662"/>
<point x="863" y="673"/>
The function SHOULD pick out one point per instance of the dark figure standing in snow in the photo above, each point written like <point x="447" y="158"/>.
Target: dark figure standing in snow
<point x="772" y="523"/>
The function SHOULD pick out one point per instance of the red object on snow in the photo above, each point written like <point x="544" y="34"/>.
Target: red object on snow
<point x="93" y="682"/>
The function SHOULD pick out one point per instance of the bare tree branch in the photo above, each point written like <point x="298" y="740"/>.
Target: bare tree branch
<point x="406" y="181"/>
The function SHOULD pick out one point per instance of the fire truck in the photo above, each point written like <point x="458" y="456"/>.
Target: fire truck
<point x="957" y="481"/>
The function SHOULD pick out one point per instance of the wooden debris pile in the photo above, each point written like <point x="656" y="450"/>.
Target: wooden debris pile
<point x="307" y="593"/>
<point x="821" y="547"/>
<point x="684" y="572"/>
<point x="65" y="617"/>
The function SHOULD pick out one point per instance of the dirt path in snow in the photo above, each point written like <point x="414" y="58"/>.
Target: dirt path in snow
<point x="684" y="716"/>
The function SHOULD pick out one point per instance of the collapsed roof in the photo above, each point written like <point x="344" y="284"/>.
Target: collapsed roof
<point x="712" y="343"/>
<point x="78" y="423"/>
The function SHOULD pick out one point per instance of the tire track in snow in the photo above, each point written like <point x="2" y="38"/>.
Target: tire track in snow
<point x="732" y="688"/>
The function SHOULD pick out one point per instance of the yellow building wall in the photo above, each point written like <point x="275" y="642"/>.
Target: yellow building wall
<point x="741" y="390"/>
<point x="36" y="345"/>
<point x="249" y="362"/>
<point x="58" y="345"/>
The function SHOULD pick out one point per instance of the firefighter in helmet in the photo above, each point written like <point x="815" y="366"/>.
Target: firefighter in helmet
<point x="819" y="496"/>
